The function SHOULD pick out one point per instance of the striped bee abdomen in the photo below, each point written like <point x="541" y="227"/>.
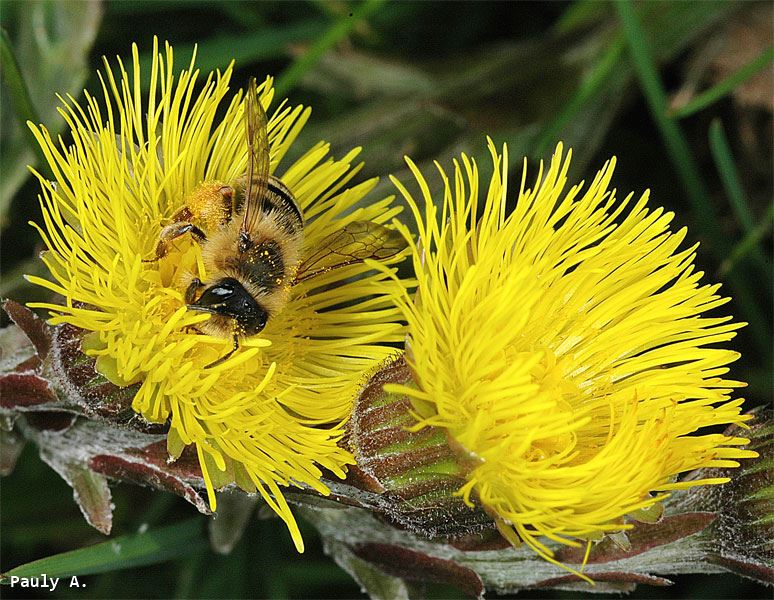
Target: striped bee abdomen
<point x="280" y="204"/>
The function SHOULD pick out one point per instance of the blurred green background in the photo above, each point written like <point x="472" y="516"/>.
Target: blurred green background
<point x="680" y="92"/>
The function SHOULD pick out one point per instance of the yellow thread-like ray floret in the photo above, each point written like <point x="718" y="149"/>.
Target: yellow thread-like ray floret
<point x="562" y="347"/>
<point x="272" y="414"/>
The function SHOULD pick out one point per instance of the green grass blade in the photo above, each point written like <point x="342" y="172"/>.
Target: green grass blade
<point x="218" y="51"/>
<point x="20" y="95"/>
<point x="724" y="162"/>
<point x="337" y="32"/>
<point x="716" y="92"/>
<point x="580" y="13"/>
<point x="684" y="163"/>
<point x="132" y="9"/>
<point x="749" y="244"/>
<point x="330" y="8"/>
<point x="590" y="87"/>
<point x="675" y="142"/>
<point x="123" y="552"/>
<point x="188" y="571"/>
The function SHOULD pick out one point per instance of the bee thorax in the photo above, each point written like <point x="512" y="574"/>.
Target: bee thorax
<point x="262" y="264"/>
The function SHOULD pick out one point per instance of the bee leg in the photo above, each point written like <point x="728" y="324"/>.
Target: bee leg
<point x="193" y="287"/>
<point x="172" y="232"/>
<point x="229" y="202"/>
<point x="190" y="297"/>
<point x="226" y="356"/>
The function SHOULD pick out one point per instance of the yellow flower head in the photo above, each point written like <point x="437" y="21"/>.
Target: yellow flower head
<point x="272" y="414"/>
<point x="561" y="346"/>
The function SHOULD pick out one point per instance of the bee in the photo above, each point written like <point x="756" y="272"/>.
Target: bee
<point x="252" y="232"/>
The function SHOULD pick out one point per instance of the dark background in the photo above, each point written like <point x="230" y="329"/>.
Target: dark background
<point x="429" y="79"/>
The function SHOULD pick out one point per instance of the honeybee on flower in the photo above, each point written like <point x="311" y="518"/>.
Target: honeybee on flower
<point x="267" y="410"/>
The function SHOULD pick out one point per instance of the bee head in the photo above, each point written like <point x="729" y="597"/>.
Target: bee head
<point x="228" y="298"/>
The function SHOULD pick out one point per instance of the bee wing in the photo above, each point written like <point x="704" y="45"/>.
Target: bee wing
<point x="257" y="177"/>
<point x="356" y="242"/>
